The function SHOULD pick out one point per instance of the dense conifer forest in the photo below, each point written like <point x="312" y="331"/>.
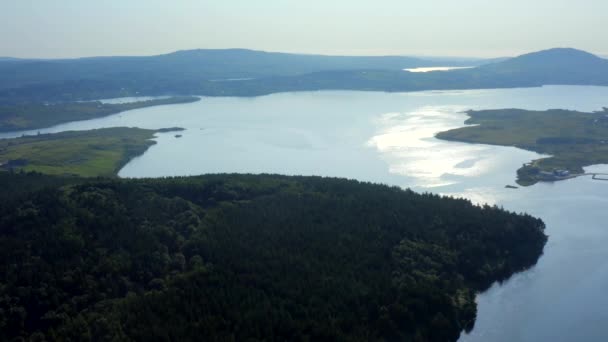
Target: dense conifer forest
<point x="247" y="258"/>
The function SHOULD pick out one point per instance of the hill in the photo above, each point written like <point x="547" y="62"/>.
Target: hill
<point x="554" y="66"/>
<point x="194" y="65"/>
<point x="242" y="257"/>
<point x="253" y="73"/>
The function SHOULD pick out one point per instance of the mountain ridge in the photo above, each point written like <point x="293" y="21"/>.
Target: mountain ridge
<point x="551" y="58"/>
<point x="187" y="73"/>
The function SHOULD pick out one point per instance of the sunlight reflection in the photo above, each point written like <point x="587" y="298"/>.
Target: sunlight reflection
<point x="406" y="142"/>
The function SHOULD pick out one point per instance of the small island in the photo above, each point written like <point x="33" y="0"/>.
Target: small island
<point x="573" y="139"/>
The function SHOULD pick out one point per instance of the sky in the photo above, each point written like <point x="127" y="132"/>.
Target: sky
<point x="471" y="28"/>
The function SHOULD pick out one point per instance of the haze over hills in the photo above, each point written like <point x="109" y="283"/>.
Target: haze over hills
<point x="557" y="66"/>
<point x="239" y="72"/>
<point x="557" y="57"/>
<point x="201" y="64"/>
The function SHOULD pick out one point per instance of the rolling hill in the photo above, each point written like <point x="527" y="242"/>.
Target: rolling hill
<point x="197" y="65"/>
<point x="554" y="66"/>
<point x="238" y="72"/>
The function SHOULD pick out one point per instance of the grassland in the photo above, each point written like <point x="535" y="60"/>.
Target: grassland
<point x="39" y="115"/>
<point x="572" y="139"/>
<point x="100" y="152"/>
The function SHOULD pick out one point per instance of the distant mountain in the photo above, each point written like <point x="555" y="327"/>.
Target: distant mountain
<point x="195" y="65"/>
<point x="250" y="62"/>
<point x="550" y="59"/>
<point x="549" y="67"/>
<point x="238" y="72"/>
<point x="554" y="66"/>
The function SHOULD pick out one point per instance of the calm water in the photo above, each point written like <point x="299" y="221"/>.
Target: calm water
<point x="429" y="69"/>
<point x="388" y="138"/>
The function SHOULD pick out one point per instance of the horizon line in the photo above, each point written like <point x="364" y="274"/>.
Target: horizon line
<point x="338" y="54"/>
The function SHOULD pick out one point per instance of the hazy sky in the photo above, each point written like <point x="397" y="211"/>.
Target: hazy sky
<point x="485" y="28"/>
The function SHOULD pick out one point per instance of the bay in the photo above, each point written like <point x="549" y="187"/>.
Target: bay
<point x="389" y="138"/>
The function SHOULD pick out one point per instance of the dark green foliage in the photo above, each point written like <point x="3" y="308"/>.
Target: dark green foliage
<point x="19" y="185"/>
<point x="565" y="140"/>
<point x="248" y="258"/>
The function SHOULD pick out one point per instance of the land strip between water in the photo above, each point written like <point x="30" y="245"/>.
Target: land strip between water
<point x="99" y="152"/>
<point x="572" y="139"/>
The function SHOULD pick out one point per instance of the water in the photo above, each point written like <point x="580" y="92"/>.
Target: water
<point x="563" y="297"/>
<point x="388" y="138"/>
<point x="121" y="100"/>
<point x="130" y="99"/>
<point x="430" y="69"/>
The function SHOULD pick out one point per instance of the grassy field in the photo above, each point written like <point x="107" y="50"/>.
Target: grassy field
<point x="573" y="139"/>
<point x="100" y="152"/>
<point x="39" y="115"/>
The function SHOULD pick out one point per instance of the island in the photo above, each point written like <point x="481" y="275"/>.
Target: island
<point x="100" y="152"/>
<point x="27" y="116"/>
<point x="247" y="258"/>
<point x="572" y="139"/>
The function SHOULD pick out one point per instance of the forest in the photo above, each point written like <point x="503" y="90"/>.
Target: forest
<point x="247" y="258"/>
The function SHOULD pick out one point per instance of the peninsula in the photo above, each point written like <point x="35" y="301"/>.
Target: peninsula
<point x="99" y="152"/>
<point x="572" y="139"/>
<point x="25" y="116"/>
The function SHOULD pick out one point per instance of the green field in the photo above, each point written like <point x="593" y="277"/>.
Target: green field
<point x="100" y="152"/>
<point x="572" y="139"/>
<point x="39" y="115"/>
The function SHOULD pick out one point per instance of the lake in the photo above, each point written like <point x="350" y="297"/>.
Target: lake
<point x="430" y="69"/>
<point x="389" y="138"/>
